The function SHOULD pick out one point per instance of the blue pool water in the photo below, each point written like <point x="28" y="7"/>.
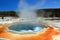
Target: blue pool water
<point x="26" y="27"/>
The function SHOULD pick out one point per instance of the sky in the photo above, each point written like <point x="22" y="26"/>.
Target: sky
<point x="12" y="5"/>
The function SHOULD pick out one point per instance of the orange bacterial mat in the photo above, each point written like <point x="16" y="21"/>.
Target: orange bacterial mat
<point x="47" y="34"/>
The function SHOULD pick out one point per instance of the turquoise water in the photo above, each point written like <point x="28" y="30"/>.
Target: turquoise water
<point x="3" y="39"/>
<point x="26" y="27"/>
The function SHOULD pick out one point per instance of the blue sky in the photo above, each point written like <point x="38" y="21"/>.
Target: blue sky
<point x="9" y="5"/>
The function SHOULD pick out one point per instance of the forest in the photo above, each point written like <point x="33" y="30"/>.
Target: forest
<point x="40" y="13"/>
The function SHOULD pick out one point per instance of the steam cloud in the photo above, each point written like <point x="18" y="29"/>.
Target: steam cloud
<point x="27" y="11"/>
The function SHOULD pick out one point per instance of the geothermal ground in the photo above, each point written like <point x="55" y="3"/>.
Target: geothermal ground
<point x="52" y="21"/>
<point x="39" y="20"/>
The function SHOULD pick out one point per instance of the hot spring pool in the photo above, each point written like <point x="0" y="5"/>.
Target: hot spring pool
<point x="26" y="28"/>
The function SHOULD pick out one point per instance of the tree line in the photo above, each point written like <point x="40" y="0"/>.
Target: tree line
<point x="40" y="13"/>
<point x="48" y="12"/>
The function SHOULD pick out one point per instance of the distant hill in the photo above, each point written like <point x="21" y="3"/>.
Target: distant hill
<point x="52" y="12"/>
<point x="55" y="12"/>
<point x="8" y="13"/>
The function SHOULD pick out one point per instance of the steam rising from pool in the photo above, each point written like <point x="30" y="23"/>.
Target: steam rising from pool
<point x="26" y="10"/>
